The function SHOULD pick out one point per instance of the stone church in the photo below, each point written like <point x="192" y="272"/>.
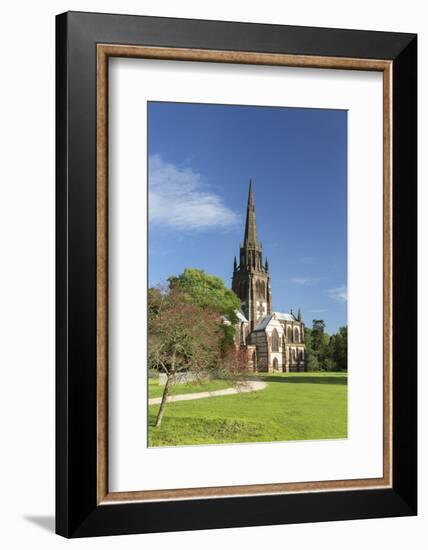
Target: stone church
<point x="275" y="341"/>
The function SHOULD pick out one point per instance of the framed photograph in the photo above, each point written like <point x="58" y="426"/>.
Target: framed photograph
<point x="231" y="199"/>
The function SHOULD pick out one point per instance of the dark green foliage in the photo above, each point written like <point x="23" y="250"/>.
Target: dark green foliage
<point x="339" y="348"/>
<point x="154" y="301"/>
<point x="228" y="337"/>
<point x="329" y="364"/>
<point x="313" y="363"/>
<point x="324" y="352"/>
<point x="205" y="290"/>
<point x="311" y="356"/>
<point x="318" y="327"/>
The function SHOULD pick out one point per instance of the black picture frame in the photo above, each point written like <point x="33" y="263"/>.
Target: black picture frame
<point x="77" y="511"/>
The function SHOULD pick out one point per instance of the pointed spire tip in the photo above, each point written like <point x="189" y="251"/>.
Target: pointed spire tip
<point x="250" y="236"/>
<point x="250" y="193"/>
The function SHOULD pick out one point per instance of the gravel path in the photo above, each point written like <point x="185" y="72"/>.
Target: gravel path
<point x="246" y="387"/>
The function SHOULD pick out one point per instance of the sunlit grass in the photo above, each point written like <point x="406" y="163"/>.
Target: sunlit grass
<point x="156" y="389"/>
<point x="294" y="406"/>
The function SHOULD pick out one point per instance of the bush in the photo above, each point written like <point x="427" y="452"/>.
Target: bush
<point x="329" y="365"/>
<point x="313" y="364"/>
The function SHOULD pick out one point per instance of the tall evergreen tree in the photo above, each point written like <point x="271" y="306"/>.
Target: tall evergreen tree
<point x="318" y="327"/>
<point x="339" y="349"/>
<point x="325" y="352"/>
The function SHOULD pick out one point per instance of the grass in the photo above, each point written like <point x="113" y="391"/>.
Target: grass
<point x="156" y="389"/>
<point x="294" y="406"/>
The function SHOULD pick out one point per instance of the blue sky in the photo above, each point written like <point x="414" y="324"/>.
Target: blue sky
<point x="201" y="158"/>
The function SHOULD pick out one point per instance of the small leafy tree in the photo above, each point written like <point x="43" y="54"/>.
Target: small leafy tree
<point x="182" y="338"/>
<point x="235" y="364"/>
<point x="208" y="291"/>
<point x="205" y="290"/>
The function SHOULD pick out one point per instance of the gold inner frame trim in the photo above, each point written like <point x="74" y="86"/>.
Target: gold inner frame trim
<point x="104" y="51"/>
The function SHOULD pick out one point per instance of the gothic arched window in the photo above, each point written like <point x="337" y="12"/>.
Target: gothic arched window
<point x="289" y="334"/>
<point x="275" y="340"/>
<point x="296" y="335"/>
<point x="275" y="364"/>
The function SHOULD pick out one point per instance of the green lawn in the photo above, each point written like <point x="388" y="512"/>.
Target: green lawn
<point x="294" y="406"/>
<point x="156" y="389"/>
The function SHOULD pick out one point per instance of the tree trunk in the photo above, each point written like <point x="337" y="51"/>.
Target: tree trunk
<point x="163" y="402"/>
<point x="169" y="376"/>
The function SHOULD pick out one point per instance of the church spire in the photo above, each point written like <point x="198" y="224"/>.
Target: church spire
<point x="250" y="281"/>
<point x="250" y="236"/>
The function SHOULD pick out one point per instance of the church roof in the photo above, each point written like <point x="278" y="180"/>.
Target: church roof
<point x="263" y="323"/>
<point x="241" y="316"/>
<point x="284" y="316"/>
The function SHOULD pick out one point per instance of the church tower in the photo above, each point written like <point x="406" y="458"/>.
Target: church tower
<point x="251" y="281"/>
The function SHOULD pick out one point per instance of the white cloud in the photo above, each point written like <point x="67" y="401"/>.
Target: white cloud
<point x="340" y="294"/>
<point x="303" y="280"/>
<point x="179" y="199"/>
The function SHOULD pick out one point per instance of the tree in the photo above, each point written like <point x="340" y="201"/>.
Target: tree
<point x="313" y="363"/>
<point x="321" y="345"/>
<point x="329" y="365"/>
<point x="154" y="301"/>
<point x="206" y="290"/>
<point x="182" y="337"/>
<point x="325" y="352"/>
<point x="339" y="348"/>
<point x="318" y="327"/>
<point x="311" y="356"/>
<point x="234" y="365"/>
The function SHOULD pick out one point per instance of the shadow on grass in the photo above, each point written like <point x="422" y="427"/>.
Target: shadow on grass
<point x="332" y="380"/>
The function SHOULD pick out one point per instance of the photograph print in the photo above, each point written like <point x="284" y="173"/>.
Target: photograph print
<point x="247" y="274"/>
